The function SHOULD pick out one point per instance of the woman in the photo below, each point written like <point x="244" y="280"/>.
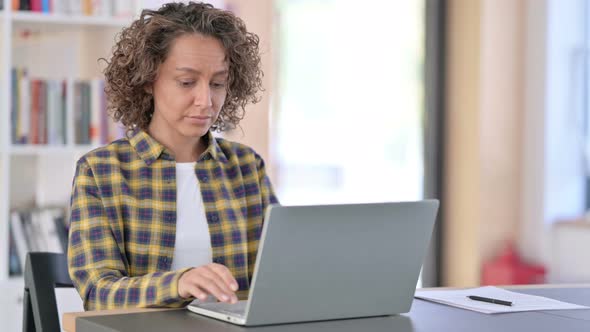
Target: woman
<point x="171" y="213"/>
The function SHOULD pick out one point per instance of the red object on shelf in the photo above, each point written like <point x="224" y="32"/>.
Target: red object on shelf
<point x="508" y="269"/>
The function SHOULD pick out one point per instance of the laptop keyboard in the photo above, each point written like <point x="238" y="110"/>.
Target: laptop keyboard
<point x="238" y="309"/>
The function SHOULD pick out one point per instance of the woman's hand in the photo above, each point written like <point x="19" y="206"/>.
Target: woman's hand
<point x="214" y="279"/>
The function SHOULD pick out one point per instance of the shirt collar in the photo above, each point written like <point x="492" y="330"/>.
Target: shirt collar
<point x="150" y="150"/>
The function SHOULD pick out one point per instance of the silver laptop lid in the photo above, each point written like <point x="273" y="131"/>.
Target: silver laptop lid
<point x="339" y="261"/>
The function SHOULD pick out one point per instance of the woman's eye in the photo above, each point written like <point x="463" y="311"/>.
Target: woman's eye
<point x="186" y="84"/>
<point x="218" y="85"/>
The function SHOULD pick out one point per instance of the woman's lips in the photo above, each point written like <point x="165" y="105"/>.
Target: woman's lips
<point x="198" y="119"/>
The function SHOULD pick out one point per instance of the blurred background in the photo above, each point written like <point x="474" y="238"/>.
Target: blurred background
<point x="483" y="104"/>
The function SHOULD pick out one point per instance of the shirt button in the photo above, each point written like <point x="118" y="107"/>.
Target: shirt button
<point x="205" y="178"/>
<point x="214" y="218"/>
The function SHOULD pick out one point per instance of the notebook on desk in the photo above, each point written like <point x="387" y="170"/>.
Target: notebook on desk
<point x="333" y="262"/>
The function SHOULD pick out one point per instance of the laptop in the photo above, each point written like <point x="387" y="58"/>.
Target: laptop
<point x="333" y="262"/>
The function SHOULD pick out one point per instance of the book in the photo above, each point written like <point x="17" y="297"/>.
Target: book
<point x="35" y="5"/>
<point x="24" y="107"/>
<point x="24" y="5"/>
<point x="95" y="112"/>
<point x="39" y="229"/>
<point x="42" y="116"/>
<point x="14" y="262"/>
<point x="46" y="6"/>
<point x="49" y="231"/>
<point x="14" y="107"/>
<point x="18" y="233"/>
<point x="35" y="87"/>
<point x="39" y="113"/>
<point x="77" y="111"/>
<point x="61" y="229"/>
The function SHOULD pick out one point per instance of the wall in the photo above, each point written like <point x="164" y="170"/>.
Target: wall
<point x="461" y="187"/>
<point x="255" y="128"/>
<point x="501" y="122"/>
<point x="554" y="166"/>
<point x="483" y="142"/>
<point x="485" y="104"/>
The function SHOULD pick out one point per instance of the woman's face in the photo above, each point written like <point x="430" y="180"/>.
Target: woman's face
<point x="190" y="87"/>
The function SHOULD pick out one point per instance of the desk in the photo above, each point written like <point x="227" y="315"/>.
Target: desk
<point x="424" y="317"/>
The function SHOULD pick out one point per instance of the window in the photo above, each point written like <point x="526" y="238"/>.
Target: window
<point x="348" y="121"/>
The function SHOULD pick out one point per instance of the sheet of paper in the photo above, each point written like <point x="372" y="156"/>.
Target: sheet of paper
<point x="520" y="302"/>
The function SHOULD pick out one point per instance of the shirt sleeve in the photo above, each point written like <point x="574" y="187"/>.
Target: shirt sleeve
<point x="96" y="258"/>
<point x="257" y="212"/>
<point x="266" y="190"/>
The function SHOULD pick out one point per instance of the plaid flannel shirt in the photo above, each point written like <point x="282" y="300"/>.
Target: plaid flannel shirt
<point x="123" y="219"/>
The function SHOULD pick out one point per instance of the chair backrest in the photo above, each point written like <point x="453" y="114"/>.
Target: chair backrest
<point x="44" y="272"/>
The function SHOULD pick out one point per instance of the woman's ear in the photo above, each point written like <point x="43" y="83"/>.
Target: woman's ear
<point x="148" y="89"/>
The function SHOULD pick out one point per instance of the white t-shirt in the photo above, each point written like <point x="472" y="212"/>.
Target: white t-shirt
<point x="193" y="243"/>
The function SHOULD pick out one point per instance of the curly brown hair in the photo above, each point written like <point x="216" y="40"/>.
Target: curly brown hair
<point x="144" y="45"/>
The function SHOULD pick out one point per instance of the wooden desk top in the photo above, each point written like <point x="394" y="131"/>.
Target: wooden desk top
<point x="69" y="318"/>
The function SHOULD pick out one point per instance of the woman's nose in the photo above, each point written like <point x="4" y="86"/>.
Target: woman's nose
<point x="203" y="95"/>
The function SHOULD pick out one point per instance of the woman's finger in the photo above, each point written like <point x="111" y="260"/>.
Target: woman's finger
<point x="225" y="275"/>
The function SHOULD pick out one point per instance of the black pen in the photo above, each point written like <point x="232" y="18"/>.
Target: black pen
<point x="490" y="300"/>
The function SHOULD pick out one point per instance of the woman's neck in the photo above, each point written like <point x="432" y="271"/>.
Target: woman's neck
<point x="185" y="149"/>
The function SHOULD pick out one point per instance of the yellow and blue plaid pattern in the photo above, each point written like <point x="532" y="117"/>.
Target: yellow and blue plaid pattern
<point x="123" y="219"/>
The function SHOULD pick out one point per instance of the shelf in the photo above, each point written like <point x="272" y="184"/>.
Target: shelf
<point x="25" y="150"/>
<point x="41" y="19"/>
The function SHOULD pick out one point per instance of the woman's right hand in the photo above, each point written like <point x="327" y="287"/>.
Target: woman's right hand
<point x="211" y="279"/>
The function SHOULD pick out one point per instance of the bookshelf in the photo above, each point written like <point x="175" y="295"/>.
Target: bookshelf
<point x="58" y="46"/>
<point x="59" y="21"/>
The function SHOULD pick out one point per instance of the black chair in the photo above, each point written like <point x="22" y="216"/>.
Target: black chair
<point x="44" y="272"/>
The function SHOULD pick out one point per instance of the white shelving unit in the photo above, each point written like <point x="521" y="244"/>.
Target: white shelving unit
<point x="60" y="20"/>
<point x="61" y="47"/>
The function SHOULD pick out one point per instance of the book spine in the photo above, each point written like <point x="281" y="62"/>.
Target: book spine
<point x="95" y="112"/>
<point x="34" y="139"/>
<point x="35" y="5"/>
<point x="24" y="5"/>
<point x="51" y="113"/>
<point x="43" y="112"/>
<point x="48" y="231"/>
<point x="59" y="116"/>
<point x="18" y="231"/>
<point x="87" y="113"/>
<point x="62" y="230"/>
<point x="14" y="107"/>
<point x="25" y="107"/>
<point x="64" y="111"/>
<point x="77" y="113"/>
<point x="14" y="262"/>
<point x="87" y="7"/>
<point x="26" y="219"/>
